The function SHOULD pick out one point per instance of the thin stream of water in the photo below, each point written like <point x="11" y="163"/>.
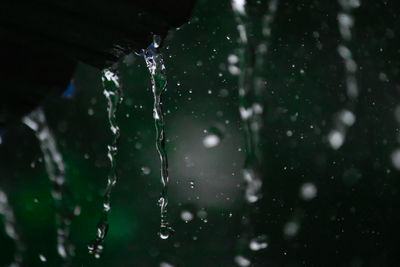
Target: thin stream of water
<point x="156" y="67"/>
<point x="113" y="93"/>
<point x="55" y="168"/>
<point x="345" y="118"/>
<point x="11" y="229"/>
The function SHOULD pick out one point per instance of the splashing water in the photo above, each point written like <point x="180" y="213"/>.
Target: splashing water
<point x="156" y="67"/>
<point x="56" y="171"/>
<point x="113" y="93"/>
<point x="346" y="118"/>
<point x="11" y="229"/>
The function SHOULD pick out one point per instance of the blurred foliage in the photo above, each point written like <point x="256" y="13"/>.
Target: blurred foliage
<point x="353" y="221"/>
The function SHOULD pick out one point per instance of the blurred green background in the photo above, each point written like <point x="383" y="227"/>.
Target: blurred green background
<point x="353" y="220"/>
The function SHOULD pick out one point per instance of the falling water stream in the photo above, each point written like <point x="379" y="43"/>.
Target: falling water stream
<point x="251" y="89"/>
<point x="156" y="67"/>
<point x="113" y="93"/>
<point x="11" y="229"/>
<point x="250" y="59"/>
<point x="345" y="118"/>
<point x="56" y="171"/>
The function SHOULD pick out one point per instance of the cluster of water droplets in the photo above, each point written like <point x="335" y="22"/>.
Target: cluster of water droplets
<point x="345" y="118"/>
<point x="113" y="93"/>
<point x="55" y="168"/>
<point x="156" y="67"/>
<point x="11" y="229"/>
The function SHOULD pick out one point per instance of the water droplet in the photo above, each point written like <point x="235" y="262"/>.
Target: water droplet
<point x="347" y="117"/>
<point x="258" y="243"/>
<point x="257" y="108"/>
<point x="202" y="214"/>
<point x="42" y="258"/>
<point x="165" y="232"/>
<point x="234" y="70"/>
<point x="186" y="216"/>
<point x="211" y="140"/>
<point x="239" y="6"/>
<point x="345" y="20"/>
<point x="61" y="250"/>
<point x="336" y="139"/>
<point x="242" y="261"/>
<point x="344" y="52"/>
<point x="106" y="207"/>
<point x="145" y="170"/>
<point x="233" y="59"/>
<point x="77" y="210"/>
<point x="191" y="184"/>
<point x="308" y="191"/>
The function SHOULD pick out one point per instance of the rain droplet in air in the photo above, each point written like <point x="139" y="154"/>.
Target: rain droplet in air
<point x="211" y="140"/>
<point x="242" y="261"/>
<point x="145" y="170"/>
<point x="186" y="216"/>
<point x="336" y="139"/>
<point x="42" y="258"/>
<point x="308" y="191"/>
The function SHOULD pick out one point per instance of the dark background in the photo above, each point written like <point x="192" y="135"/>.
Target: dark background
<point x="353" y="220"/>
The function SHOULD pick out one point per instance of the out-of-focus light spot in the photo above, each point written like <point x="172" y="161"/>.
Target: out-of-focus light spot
<point x="336" y="139"/>
<point x="42" y="258"/>
<point x="186" y="216"/>
<point x="238" y="5"/>
<point x="211" y="140"/>
<point x="258" y="243"/>
<point x="308" y="191"/>
<point x="242" y="261"/>
<point x="347" y="117"/>
<point x="291" y="228"/>
<point x="145" y="170"/>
